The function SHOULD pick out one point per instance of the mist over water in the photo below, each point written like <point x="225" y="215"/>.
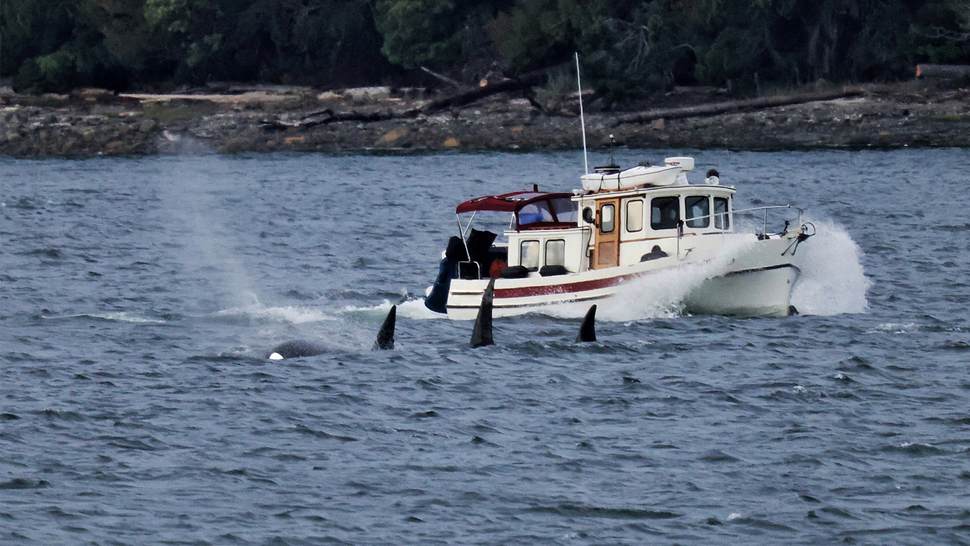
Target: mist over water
<point x="139" y="297"/>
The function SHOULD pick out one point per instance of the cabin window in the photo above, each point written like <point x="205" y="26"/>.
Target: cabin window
<point x="634" y="215"/>
<point x="556" y="252"/>
<point x="721" y="218"/>
<point x="664" y="212"/>
<point x="529" y="255"/>
<point x="698" y="211"/>
<point x="607" y="218"/>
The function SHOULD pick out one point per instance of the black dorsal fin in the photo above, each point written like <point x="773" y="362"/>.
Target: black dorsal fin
<point x="385" y="337"/>
<point x="587" y="331"/>
<point x="482" y="334"/>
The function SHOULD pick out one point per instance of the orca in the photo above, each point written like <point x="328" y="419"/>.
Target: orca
<point x="302" y="348"/>
<point x="296" y="349"/>
<point x="385" y="338"/>
<point x="587" y="331"/>
<point x="482" y="334"/>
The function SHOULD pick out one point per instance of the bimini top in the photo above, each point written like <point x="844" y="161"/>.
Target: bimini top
<point x="532" y="209"/>
<point x="509" y="202"/>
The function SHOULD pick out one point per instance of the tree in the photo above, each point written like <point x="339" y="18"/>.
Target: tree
<point x="30" y="29"/>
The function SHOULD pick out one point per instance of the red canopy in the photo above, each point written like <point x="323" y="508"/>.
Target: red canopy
<point x="507" y="202"/>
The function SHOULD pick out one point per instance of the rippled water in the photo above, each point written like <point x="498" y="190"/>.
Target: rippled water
<point x="138" y="298"/>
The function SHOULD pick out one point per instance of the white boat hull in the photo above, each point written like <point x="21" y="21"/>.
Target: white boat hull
<point x="759" y="292"/>
<point x="756" y="280"/>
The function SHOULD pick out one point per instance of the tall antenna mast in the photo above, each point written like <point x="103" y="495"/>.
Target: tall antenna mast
<point x="582" y="118"/>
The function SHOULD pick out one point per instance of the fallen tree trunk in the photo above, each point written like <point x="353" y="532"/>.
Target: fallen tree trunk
<point x="943" y="71"/>
<point x="323" y="117"/>
<point x="441" y="77"/>
<point x="727" y="107"/>
<point x="468" y="97"/>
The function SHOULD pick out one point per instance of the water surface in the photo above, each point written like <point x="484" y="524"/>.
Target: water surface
<point x="138" y="298"/>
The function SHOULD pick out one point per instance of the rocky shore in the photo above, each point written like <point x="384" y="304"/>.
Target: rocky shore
<point x="263" y="119"/>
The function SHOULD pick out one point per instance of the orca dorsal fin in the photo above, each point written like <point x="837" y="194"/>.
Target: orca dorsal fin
<point x="587" y="331"/>
<point x="482" y="334"/>
<point x="385" y="337"/>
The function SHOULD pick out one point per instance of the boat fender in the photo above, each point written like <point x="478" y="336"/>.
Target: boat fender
<point x="655" y="253"/>
<point x="553" y="270"/>
<point x="482" y="333"/>
<point x="515" y="272"/>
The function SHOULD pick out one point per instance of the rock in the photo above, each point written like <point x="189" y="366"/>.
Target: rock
<point x="114" y="147"/>
<point x="93" y="94"/>
<point x="392" y="137"/>
<point x="147" y="125"/>
<point x="329" y="96"/>
<point x="367" y="93"/>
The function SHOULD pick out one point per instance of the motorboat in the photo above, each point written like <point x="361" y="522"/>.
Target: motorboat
<point x="621" y="228"/>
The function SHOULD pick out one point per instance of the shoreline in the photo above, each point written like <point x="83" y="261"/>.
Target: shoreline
<point x="92" y="123"/>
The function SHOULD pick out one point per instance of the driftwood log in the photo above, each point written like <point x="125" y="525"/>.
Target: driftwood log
<point x="441" y="77"/>
<point x="464" y="98"/>
<point x="942" y="71"/>
<point x="726" y="107"/>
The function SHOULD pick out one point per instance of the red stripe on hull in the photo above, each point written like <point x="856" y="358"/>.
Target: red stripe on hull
<point x="567" y="288"/>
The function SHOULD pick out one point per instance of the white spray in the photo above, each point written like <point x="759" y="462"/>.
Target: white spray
<point x="660" y="294"/>
<point x="207" y="247"/>
<point x="832" y="280"/>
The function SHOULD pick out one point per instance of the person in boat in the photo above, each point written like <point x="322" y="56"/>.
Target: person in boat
<point x="496" y="268"/>
<point x="713" y="178"/>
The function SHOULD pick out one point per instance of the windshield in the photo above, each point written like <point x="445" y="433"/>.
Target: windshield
<point x="566" y="210"/>
<point x="560" y="210"/>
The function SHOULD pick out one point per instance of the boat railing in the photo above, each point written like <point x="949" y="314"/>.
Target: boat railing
<point x="753" y="210"/>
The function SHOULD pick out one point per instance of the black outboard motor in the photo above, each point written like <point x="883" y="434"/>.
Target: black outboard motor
<point x="437" y="300"/>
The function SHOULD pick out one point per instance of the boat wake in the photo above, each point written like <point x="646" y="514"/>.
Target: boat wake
<point x="410" y="308"/>
<point x="116" y="316"/>
<point x="283" y="314"/>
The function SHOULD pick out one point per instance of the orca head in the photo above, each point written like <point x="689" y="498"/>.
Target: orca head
<point x="296" y="349"/>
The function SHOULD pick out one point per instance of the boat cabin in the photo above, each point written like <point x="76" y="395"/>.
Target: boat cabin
<point x="614" y="221"/>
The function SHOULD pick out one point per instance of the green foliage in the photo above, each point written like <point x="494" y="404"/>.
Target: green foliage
<point x="629" y="47"/>
<point x="419" y="32"/>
